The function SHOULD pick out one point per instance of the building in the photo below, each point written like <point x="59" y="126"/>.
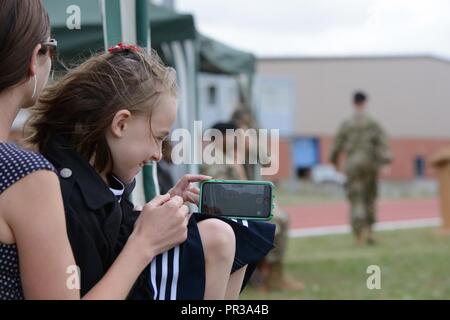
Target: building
<point x="218" y="96"/>
<point x="409" y="96"/>
<point x="309" y="97"/>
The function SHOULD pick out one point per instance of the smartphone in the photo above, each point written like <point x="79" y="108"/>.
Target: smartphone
<point x="250" y="200"/>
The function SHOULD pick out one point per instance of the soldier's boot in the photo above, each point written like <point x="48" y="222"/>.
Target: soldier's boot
<point x="370" y="238"/>
<point x="357" y="218"/>
<point x="264" y="269"/>
<point x="278" y="280"/>
<point x="274" y="279"/>
<point x="359" y="238"/>
<point x="292" y="284"/>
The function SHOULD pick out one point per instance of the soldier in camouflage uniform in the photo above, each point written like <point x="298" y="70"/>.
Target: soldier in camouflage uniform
<point x="226" y="171"/>
<point x="366" y="148"/>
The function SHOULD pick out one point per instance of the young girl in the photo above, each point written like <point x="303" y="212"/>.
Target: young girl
<point x="98" y="126"/>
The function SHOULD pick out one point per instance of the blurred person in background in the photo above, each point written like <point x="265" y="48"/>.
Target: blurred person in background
<point x="242" y="118"/>
<point x="229" y="170"/>
<point x="271" y="272"/>
<point x="365" y="145"/>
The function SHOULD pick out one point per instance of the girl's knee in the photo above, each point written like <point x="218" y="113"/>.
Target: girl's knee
<point x="218" y="238"/>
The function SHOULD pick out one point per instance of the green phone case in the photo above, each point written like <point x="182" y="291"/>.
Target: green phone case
<point x="202" y="183"/>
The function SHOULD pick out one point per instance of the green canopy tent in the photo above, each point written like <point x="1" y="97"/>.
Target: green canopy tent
<point x="217" y="57"/>
<point x="77" y="44"/>
<point x="166" y="26"/>
<point x="175" y="38"/>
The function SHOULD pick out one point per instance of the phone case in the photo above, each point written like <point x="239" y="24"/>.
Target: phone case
<point x="202" y="183"/>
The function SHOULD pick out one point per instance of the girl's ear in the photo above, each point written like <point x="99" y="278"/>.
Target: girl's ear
<point x="120" y="122"/>
<point x="33" y="63"/>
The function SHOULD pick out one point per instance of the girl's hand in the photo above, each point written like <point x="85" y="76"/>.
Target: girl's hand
<point x="161" y="225"/>
<point x="185" y="190"/>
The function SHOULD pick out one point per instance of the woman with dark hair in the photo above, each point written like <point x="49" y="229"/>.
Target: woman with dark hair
<point x="35" y="253"/>
<point x="32" y="224"/>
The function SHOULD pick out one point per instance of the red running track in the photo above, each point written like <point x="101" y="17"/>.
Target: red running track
<point x="336" y="214"/>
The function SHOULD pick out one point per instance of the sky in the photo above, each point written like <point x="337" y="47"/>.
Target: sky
<point x="313" y="28"/>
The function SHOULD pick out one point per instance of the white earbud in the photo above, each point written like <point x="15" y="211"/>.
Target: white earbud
<point x="35" y="86"/>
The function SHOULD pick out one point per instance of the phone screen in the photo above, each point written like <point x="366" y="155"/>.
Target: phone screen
<point x="237" y="199"/>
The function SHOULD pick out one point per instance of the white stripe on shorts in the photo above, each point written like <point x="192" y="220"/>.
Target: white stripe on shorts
<point x="153" y="278"/>
<point x="175" y="271"/>
<point x="162" y="288"/>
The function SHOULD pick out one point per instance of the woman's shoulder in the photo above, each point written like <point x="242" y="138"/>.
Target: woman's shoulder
<point x="16" y="163"/>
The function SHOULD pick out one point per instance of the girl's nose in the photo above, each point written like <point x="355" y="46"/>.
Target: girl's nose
<point x="157" y="155"/>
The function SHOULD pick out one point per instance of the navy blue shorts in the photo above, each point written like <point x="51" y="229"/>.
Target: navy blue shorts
<point x="179" y="274"/>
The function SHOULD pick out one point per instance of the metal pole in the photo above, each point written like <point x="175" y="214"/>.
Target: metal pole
<point x="112" y="30"/>
<point x="142" y="24"/>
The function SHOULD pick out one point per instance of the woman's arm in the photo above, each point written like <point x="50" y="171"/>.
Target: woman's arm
<point x="33" y="209"/>
<point x="121" y="276"/>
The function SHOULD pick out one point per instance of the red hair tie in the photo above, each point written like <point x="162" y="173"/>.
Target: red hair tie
<point x="123" y="47"/>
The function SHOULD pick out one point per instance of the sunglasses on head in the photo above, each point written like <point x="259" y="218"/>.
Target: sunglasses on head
<point x="49" y="46"/>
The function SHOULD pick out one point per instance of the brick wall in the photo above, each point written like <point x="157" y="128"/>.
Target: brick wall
<point x="285" y="162"/>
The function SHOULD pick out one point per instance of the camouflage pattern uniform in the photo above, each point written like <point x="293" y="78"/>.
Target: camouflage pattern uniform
<point x="220" y="171"/>
<point x="276" y="278"/>
<point x="366" y="148"/>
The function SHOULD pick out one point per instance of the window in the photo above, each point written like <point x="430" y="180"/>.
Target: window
<point x="419" y="165"/>
<point x="212" y="95"/>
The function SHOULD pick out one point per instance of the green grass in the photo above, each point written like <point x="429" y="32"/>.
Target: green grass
<point x="415" y="264"/>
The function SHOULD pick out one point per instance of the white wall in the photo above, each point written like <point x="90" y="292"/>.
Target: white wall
<point x="410" y="96"/>
<point x="227" y="97"/>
